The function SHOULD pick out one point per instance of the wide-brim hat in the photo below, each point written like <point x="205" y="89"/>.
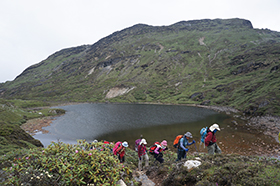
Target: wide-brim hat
<point x="214" y="126"/>
<point x="125" y="144"/>
<point x="143" y="141"/>
<point x="188" y="134"/>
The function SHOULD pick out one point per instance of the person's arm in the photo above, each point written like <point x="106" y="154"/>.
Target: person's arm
<point x="157" y="150"/>
<point x="188" y="144"/>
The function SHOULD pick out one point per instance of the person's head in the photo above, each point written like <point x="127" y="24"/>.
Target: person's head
<point x="214" y="128"/>
<point x="143" y="142"/>
<point x="164" y="143"/>
<point x="125" y="144"/>
<point x="188" y="135"/>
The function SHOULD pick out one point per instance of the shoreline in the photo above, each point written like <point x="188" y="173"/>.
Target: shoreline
<point x="266" y="125"/>
<point x="36" y="125"/>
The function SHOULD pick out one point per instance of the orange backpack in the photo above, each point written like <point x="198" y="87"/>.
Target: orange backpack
<point x="176" y="141"/>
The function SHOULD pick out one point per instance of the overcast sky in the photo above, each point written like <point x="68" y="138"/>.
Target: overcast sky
<point x="32" y="30"/>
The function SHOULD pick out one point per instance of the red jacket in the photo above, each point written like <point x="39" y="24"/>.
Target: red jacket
<point x="141" y="150"/>
<point x="210" y="139"/>
<point x="121" y="151"/>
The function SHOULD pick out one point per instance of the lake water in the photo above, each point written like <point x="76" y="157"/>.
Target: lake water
<point x="126" y="122"/>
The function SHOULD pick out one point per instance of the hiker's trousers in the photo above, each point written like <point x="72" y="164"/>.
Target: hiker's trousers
<point x="181" y="154"/>
<point x="141" y="161"/>
<point x="214" y="149"/>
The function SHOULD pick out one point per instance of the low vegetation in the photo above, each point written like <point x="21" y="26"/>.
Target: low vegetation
<point x="95" y="164"/>
<point x="64" y="164"/>
<point x="14" y="113"/>
<point x="226" y="170"/>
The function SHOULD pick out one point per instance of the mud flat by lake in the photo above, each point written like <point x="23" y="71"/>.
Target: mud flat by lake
<point x="34" y="126"/>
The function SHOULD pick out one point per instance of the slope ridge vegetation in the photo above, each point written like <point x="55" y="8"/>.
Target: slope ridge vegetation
<point x="222" y="62"/>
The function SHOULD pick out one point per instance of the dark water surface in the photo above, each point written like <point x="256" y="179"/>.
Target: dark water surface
<point x="119" y="122"/>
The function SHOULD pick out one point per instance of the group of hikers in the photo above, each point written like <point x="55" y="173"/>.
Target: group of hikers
<point x="181" y="142"/>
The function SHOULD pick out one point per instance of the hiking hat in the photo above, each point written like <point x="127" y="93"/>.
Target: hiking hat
<point x="125" y="144"/>
<point x="214" y="126"/>
<point x="188" y="134"/>
<point x="164" y="143"/>
<point x="143" y="141"/>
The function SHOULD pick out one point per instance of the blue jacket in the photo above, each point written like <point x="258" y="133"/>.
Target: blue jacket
<point x="183" y="143"/>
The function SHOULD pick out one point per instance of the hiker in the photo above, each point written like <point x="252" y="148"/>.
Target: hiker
<point x="182" y="146"/>
<point x="279" y="137"/>
<point x="120" y="150"/>
<point x="92" y="144"/>
<point x="158" y="151"/>
<point x="142" y="153"/>
<point x="210" y="140"/>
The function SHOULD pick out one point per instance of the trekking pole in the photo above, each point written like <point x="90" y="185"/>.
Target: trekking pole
<point x="195" y="148"/>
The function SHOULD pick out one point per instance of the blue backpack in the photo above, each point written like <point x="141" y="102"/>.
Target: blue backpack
<point x="203" y="133"/>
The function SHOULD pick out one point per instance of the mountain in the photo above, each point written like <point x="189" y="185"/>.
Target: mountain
<point x="222" y="62"/>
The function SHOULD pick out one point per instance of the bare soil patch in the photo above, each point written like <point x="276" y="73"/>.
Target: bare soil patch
<point x="36" y="125"/>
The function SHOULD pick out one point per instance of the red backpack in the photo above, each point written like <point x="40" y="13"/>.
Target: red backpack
<point x="116" y="147"/>
<point x="153" y="148"/>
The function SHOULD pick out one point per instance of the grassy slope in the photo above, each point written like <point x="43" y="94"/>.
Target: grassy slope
<point x="232" y="67"/>
<point x="13" y="113"/>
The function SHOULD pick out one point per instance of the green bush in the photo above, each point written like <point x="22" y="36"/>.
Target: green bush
<point x="65" y="164"/>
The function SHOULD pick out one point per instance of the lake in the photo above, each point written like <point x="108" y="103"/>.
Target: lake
<point x="126" y="122"/>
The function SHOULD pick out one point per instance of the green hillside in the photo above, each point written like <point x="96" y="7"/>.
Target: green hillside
<point x="211" y="62"/>
<point x="14" y="113"/>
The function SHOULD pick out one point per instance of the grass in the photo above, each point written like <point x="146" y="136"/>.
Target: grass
<point x="228" y="170"/>
<point x="14" y="113"/>
<point x="240" y="57"/>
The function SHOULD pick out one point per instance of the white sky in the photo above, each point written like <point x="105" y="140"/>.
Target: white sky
<point x="32" y="30"/>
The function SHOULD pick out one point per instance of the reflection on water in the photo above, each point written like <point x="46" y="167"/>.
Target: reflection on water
<point x="90" y="121"/>
<point x="119" y="122"/>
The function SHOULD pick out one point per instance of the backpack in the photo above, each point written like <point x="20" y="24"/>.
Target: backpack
<point x="203" y="133"/>
<point x="152" y="148"/>
<point x="137" y="144"/>
<point x="116" y="147"/>
<point x="176" y="141"/>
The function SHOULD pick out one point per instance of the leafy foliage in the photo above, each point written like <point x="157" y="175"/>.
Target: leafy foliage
<point x="64" y="164"/>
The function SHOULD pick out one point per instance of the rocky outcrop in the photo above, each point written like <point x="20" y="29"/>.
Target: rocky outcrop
<point x="118" y="91"/>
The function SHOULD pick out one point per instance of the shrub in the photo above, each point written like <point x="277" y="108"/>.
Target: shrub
<point x="65" y="164"/>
